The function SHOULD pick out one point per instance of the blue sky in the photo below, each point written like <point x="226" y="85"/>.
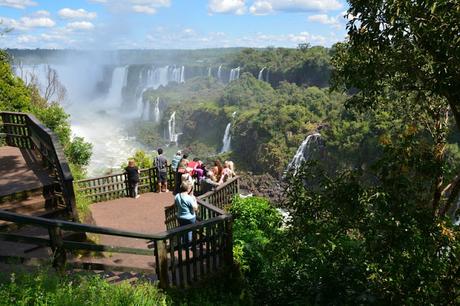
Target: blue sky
<point x="165" y="24"/>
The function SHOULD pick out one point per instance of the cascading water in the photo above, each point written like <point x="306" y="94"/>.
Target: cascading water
<point x="156" y="111"/>
<point x="261" y="74"/>
<point x="219" y="73"/>
<point x="173" y="136"/>
<point x="234" y="74"/>
<point x="305" y="151"/>
<point x="209" y="72"/>
<point x="114" y="97"/>
<point x="227" y="139"/>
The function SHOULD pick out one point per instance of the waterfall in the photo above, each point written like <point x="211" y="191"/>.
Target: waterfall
<point x="182" y="74"/>
<point x="114" y="96"/>
<point x="227" y="139"/>
<point x="156" y="112"/>
<point x="305" y="151"/>
<point x="209" y="72"/>
<point x="146" y="110"/>
<point x="234" y="74"/>
<point x="173" y="136"/>
<point x="219" y="73"/>
<point x="261" y="74"/>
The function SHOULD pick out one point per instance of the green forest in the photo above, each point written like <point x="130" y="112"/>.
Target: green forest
<point x="373" y="216"/>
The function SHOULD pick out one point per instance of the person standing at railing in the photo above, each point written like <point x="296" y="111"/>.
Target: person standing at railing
<point x="161" y="164"/>
<point x="186" y="205"/>
<point x="133" y="178"/>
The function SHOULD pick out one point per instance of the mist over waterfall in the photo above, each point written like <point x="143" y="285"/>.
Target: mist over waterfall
<point x="146" y="110"/>
<point x="156" y="111"/>
<point x="309" y="146"/>
<point x="219" y="73"/>
<point x="114" y="97"/>
<point x="234" y="74"/>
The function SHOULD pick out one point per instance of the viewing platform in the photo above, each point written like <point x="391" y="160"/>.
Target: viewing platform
<point x="122" y="234"/>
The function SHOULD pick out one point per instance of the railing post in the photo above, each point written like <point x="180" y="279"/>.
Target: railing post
<point x="163" y="276"/>
<point x="228" y="251"/>
<point x="57" y="246"/>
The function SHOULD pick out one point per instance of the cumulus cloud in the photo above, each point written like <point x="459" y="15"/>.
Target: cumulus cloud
<point x="25" y="23"/>
<point x="237" y="7"/>
<point x="42" y="13"/>
<point x="144" y="9"/>
<point x="260" y="7"/>
<point x="80" y="25"/>
<point x="68" y="13"/>
<point x="19" y="4"/>
<point x="323" y="19"/>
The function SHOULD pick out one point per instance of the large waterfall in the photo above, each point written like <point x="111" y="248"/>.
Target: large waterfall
<point x="153" y="78"/>
<point x="173" y="136"/>
<point x="114" y="97"/>
<point x="305" y="151"/>
<point x="227" y="139"/>
<point x="234" y="74"/>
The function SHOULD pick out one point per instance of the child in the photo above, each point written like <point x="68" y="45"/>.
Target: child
<point x="133" y="178"/>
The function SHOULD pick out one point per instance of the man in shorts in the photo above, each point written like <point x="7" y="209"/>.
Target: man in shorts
<point x="161" y="164"/>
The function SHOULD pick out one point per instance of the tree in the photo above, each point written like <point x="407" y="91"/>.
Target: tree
<point x="409" y="49"/>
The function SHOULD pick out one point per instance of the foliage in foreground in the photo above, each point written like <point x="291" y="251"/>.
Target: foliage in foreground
<point x="349" y="241"/>
<point x="46" y="288"/>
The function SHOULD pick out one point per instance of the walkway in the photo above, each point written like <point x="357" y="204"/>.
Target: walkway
<point x="142" y="215"/>
<point x="19" y="171"/>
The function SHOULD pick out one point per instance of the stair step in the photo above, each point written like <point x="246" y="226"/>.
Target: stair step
<point x="42" y="212"/>
<point x="25" y="194"/>
<point x="27" y="204"/>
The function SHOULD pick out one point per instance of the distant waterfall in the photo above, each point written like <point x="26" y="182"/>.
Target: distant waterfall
<point x="227" y="139"/>
<point x="209" y="72"/>
<point x="146" y="110"/>
<point x="234" y="74"/>
<point x="219" y="73"/>
<point x="261" y="74"/>
<point x="156" y="111"/>
<point x="114" y="97"/>
<point x="154" y="77"/>
<point x="173" y="136"/>
<point x="305" y="151"/>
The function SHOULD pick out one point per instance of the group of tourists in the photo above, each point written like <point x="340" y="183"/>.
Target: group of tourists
<point x="186" y="174"/>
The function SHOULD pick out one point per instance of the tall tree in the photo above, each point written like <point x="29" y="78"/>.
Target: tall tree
<point x="411" y="47"/>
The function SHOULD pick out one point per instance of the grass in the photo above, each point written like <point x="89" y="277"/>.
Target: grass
<point x="45" y="287"/>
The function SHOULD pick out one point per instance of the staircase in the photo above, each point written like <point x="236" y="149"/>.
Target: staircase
<point x="26" y="186"/>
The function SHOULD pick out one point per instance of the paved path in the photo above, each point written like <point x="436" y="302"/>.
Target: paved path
<point x="20" y="171"/>
<point x="142" y="215"/>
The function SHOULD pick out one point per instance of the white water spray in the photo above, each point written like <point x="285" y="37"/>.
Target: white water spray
<point x="227" y="139"/>
<point x="234" y="74"/>
<point x="305" y="151"/>
<point x="261" y="74"/>
<point x="156" y="111"/>
<point x="219" y="73"/>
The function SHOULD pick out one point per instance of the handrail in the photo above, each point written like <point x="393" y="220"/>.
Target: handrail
<point x="42" y="138"/>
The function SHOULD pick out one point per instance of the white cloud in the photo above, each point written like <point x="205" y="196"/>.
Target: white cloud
<point x="42" y="13"/>
<point x="260" y="7"/>
<point x="98" y="1"/>
<point x="323" y="19"/>
<point x="144" y="9"/>
<point x="68" y="13"/>
<point x="80" y="25"/>
<point x="19" y="4"/>
<point x="39" y="22"/>
<point x="237" y="7"/>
